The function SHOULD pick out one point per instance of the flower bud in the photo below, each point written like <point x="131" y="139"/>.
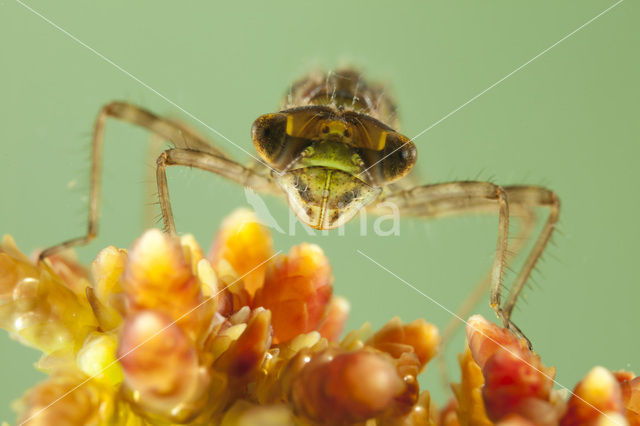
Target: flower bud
<point x="338" y="387"/>
<point x="158" y="276"/>
<point x="337" y="315"/>
<point x="246" y="245"/>
<point x="417" y="337"/>
<point x="161" y="365"/>
<point x="515" y="380"/>
<point x="66" y="399"/>
<point x="595" y="400"/>
<point x="297" y="290"/>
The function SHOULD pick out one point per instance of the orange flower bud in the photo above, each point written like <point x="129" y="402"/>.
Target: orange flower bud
<point x="158" y="276"/>
<point x="244" y="243"/>
<point x="596" y="398"/>
<point x="245" y="355"/>
<point x="161" y="365"/>
<point x="515" y="380"/>
<point x="105" y="295"/>
<point x="332" y="326"/>
<point x="74" y="275"/>
<point x="448" y="415"/>
<point x="470" y="406"/>
<point x="420" y="414"/>
<point x="66" y="399"/>
<point x="38" y="308"/>
<point x="515" y="420"/>
<point x="337" y="387"/>
<point x="15" y="267"/>
<point x="243" y="413"/>
<point x="486" y="338"/>
<point x="297" y="290"/>
<point x="630" y="386"/>
<point x="417" y="337"/>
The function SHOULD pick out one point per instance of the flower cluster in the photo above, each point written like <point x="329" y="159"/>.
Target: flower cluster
<point x="164" y="335"/>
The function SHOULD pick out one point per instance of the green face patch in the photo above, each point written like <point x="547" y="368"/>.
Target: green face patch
<point x="332" y="154"/>
<point x="325" y="198"/>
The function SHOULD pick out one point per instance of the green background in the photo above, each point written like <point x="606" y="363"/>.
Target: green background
<point x="569" y="120"/>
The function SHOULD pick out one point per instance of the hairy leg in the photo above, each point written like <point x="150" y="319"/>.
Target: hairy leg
<point x="172" y="131"/>
<point x="150" y="191"/>
<point x="229" y="169"/>
<point x="452" y="198"/>
<point x="455" y="198"/>
<point x="526" y="217"/>
<point x="530" y="197"/>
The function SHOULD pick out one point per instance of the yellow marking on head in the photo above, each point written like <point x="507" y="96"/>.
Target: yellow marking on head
<point x="382" y="141"/>
<point x="336" y="127"/>
<point x="289" y="125"/>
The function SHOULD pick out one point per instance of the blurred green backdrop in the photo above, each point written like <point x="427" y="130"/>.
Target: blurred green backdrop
<point x="569" y="120"/>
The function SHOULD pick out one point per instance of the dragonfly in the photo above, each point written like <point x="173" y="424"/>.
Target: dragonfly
<point x="331" y="150"/>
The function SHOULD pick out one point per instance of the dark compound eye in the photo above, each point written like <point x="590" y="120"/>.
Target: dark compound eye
<point x="268" y="133"/>
<point x="393" y="161"/>
<point x="275" y="147"/>
<point x="346" y="133"/>
<point x="325" y="129"/>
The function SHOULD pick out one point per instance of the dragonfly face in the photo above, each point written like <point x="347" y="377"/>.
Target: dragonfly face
<point x="330" y="157"/>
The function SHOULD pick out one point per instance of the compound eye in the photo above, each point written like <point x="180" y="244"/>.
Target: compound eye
<point x="269" y="134"/>
<point x="397" y="157"/>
